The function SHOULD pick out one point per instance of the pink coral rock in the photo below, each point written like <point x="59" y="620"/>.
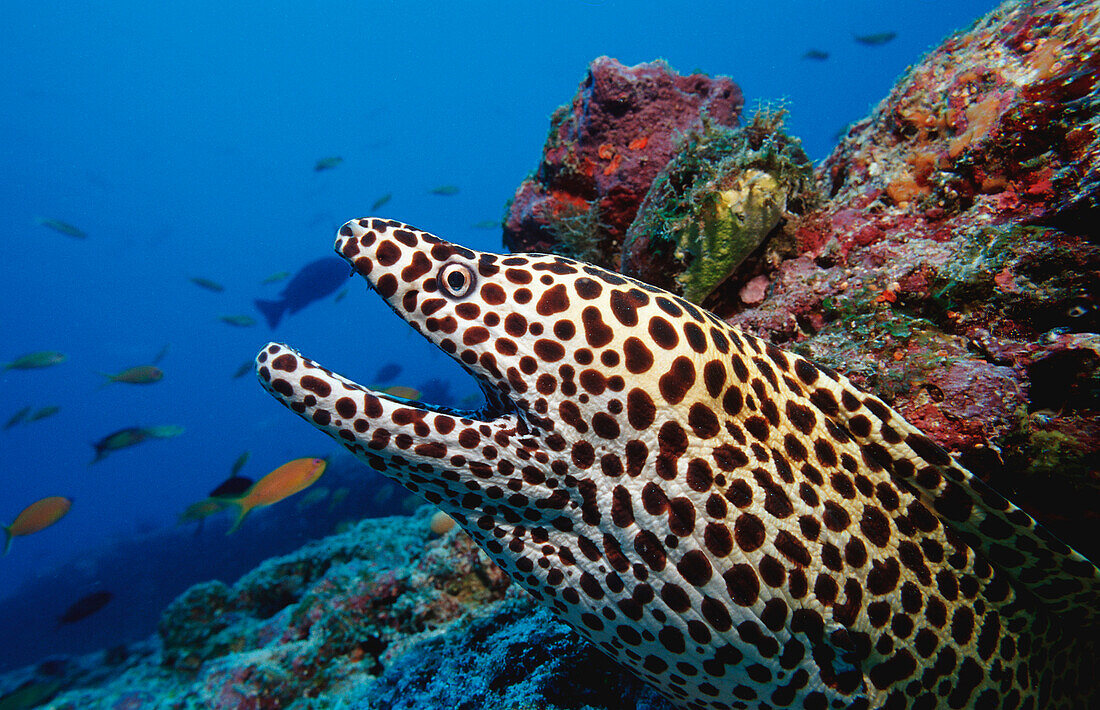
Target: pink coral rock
<point x="603" y="151"/>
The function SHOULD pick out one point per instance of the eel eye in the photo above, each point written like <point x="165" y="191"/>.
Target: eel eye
<point x="457" y="280"/>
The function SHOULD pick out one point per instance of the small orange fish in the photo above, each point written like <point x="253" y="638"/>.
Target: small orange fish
<point x="36" y="516"/>
<point x="285" y="481"/>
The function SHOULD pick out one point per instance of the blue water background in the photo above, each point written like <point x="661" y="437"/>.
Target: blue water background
<point x="182" y="138"/>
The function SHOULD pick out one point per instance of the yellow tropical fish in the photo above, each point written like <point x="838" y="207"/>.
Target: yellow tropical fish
<point x="202" y="509"/>
<point x="382" y="200"/>
<point x="403" y="392"/>
<point x="207" y="284"/>
<point x="31" y="361"/>
<point x="276" y="277"/>
<point x="312" y="498"/>
<point x="37" y="516"/>
<point x="285" y="481"/>
<point x="62" y="227"/>
<point x="21" y="416"/>
<point x="240" y="321"/>
<point x="139" y="375"/>
<point x="327" y="163"/>
<point x="42" y="413"/>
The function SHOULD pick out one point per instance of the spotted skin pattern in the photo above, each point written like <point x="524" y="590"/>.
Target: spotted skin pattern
<point x="739" y="527"/>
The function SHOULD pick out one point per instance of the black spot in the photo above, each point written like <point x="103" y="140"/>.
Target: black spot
<point x="695" y="337"/>
<point x="637" y="357"/>
<point x="553" y="300"/>
<point x="699" y="477"/>
<point x="702" y="421"/>
<point x="742" y="584"/>
<point x="640" y="410"/>
<point x="662" y="332"/>
<point x="695" y="568"/>
<point x="548" y="350"/>
<point x="676" y="598"/>
<point x="748" y="532"/>
<point x="732" y="401"/>
<point x="729" y="458"/>
<point x="792" y="548"/>
<point x="739" y="493"/>
<point x="587" y="288"/>
<point x="596" y="332"/>
<point x="668" y="306"/>
<point x="927" y="449"/>
<point x="622" y="511"/>
<point x="824" y="400"/>
<point x="717" y="539"/>
<point x="625" y="304"/>
<point x="675" y="383"/>
<point x="757" y="426"/>
<point x="801" y="417"/>
<point x="650" y="549"/>
<point x="875" y="526"/>
<point x="605" y="426"/>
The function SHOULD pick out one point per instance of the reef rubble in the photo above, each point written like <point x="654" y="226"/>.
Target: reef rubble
<point x="383" y="615"/>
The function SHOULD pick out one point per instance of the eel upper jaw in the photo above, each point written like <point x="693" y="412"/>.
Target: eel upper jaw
<point x="293" y="390"/>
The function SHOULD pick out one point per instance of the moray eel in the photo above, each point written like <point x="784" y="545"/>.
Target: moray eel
<point x="736" y="525"/>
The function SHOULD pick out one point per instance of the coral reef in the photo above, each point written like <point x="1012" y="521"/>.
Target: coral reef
<point x="383" y="615"/>
<point x="954" y="268"/>
<point x="1001" y="121"/>
<point x="715" y="202"/>
<point x="603" y="151"/>
<point x="951" y="264"/>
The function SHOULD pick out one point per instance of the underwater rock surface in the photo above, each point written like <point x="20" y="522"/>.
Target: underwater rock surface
<point x="949" y="262"/>
<point x="384" y="615"/>
<point x="604" y="149"/>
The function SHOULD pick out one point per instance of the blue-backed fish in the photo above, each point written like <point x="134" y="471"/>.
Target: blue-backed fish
<point x="314" y="281"/>
<point x="739" y="527"/>
<point x="132" y="436"/>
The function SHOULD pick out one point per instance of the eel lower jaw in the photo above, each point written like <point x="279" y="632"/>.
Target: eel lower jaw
<point x="305" y="387"/>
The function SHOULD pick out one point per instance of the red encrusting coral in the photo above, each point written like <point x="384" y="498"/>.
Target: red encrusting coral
<point x="605" y="148"/>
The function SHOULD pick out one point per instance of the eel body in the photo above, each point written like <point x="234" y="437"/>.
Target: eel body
<point x="736" y="525"/>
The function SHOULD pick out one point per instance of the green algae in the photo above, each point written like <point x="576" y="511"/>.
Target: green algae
<point x="579" y="233"/>
<point x="1046" y="453"/>
<point x="720" y="196"/>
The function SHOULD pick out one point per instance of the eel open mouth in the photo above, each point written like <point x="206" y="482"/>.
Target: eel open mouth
<point x="405" y="267"/>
